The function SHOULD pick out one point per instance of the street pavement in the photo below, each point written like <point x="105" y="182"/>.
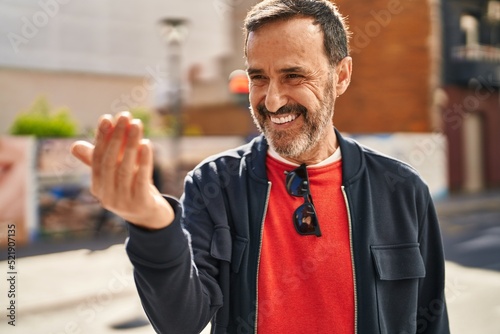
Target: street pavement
<point x="78" y="291"/>
<point x="471" y="230"/>
<point x="89" y="288"/>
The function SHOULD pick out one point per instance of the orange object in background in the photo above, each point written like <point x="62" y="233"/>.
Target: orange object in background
<point x="238" y="82"/>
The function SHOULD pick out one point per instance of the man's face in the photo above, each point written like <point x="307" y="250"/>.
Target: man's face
<point x="292" y="85"/>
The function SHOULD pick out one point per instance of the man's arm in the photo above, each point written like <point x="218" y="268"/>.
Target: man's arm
<point x="172" y="292"/>
<point x="176" y="297"/>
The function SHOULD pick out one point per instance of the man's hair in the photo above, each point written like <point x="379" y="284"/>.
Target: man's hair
<point x="324" y="13"/>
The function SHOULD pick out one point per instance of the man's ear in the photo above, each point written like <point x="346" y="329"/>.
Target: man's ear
<point x="344" y="71"/>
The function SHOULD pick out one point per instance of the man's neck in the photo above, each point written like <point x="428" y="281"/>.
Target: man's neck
<point x="324" y="149"/>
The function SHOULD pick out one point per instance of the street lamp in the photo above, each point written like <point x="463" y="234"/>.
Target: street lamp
<point x="174" y="31"/>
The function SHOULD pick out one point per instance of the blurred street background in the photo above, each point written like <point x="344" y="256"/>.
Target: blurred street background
<point x="425" y="90"/>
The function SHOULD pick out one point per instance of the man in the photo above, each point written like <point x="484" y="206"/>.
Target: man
<point x="299" y="231"/>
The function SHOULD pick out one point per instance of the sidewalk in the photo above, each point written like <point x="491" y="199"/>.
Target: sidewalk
<point x="470" y="226"/>
<point x="473" y="299"/>
<point x="77" y="291"/>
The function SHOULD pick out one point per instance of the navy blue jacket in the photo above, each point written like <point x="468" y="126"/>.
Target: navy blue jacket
<point x="203" y="267"/>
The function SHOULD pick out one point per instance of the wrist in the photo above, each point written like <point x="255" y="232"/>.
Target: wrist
<point x="159" y="217"/>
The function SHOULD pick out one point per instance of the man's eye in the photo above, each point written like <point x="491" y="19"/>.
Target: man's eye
<point x="294" y="76"/>
<point x="258" y="80"/>
<point x="256" y="77"/>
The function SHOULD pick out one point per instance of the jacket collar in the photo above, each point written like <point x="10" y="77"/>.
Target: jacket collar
<point x="352" y="159"/>
<point x="256" y="158"/>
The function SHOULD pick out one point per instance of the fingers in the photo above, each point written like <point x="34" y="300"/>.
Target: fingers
<point x="128" y="165"/>
<point x="144" y="176"/>
<point x="104" y="129"/>
<point x="122" y="172"/>
<point x="83" y="151"/>
<point x="116" y="162"/>
<point x="112" y="157"/>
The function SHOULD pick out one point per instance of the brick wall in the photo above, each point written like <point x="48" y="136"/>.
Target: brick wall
<point x="391" y="86"/>
<point x="221" y="119"/>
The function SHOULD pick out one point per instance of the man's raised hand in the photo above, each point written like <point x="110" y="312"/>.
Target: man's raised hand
<point x="122" y="166"/>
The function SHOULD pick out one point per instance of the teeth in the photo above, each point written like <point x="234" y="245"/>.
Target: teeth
<point x="283" y="119"/>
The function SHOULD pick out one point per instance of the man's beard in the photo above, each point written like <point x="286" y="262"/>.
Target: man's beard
<point x="296" y="142"/>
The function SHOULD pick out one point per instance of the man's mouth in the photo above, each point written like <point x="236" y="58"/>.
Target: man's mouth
<point x="283" y="119"/>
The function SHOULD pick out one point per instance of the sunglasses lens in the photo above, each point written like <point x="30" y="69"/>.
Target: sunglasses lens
<point x="296" y="182"/>
<point x="305" y="219"/>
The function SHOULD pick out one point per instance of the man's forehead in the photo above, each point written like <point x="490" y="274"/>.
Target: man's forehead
<point x="288" y="27"/>
<point x="298" y="35"/>
<point x="286" y="46"/>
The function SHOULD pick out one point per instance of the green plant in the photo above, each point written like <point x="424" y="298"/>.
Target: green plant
<point x="144" y="115"/>
<point x="39" y="121"/>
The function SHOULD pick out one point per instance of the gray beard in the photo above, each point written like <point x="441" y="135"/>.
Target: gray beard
<point x="296" y="145"/>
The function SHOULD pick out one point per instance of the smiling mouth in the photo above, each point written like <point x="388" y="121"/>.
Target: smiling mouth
<point x="283" y="119"/>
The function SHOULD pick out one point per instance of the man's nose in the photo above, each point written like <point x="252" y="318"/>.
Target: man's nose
<point x="275" y="97"/>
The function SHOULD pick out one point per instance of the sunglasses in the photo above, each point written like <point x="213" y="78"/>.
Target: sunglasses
<point x="305" y="218"/>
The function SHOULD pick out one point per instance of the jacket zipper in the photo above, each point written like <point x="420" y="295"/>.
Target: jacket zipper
<point x="258" y="258"/>
<point x="352" y="262"/>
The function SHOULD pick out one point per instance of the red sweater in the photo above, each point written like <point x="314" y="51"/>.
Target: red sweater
<point x="305" y="283"/>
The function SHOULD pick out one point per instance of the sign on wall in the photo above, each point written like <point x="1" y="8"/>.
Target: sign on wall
<point x="17" y="195"/>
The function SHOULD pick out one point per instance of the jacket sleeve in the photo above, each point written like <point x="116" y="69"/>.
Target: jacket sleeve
<point x="432" y="314"/>
<point x="177" y="297"/>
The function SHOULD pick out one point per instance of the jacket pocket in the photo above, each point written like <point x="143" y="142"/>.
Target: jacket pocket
<point x="398" y="270"/>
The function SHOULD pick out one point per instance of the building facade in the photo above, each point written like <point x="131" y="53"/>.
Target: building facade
<point x="426" y="66"/>
<point x="471" y="81"/>
<point x="100" y="57"/>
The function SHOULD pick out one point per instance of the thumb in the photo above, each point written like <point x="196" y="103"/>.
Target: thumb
<point x="83" y="151"/>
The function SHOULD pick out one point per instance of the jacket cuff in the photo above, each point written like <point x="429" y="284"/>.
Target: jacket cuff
<point x="158" y="248"/>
